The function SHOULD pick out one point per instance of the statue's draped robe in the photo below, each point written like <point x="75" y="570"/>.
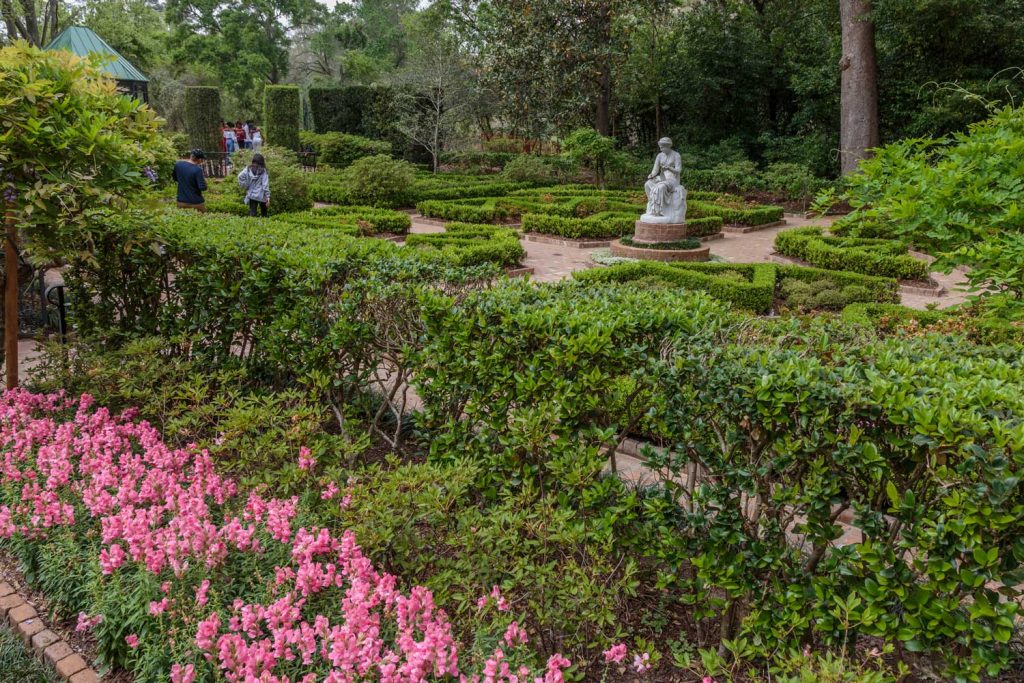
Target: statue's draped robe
<point x="667" y="168"/>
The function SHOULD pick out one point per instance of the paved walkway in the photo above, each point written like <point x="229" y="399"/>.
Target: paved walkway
<point x="553" y="262"/>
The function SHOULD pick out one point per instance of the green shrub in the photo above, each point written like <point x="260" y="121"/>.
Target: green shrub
<point x="338" y="109"/>
<point x="598" y="226"/>
<point x="379" y="220"/>
<point x="874" y="289"/>
<point x="484" y="212"/>
<point x="281" y="111"/>
<point x="886" y="258"/>
<point x="756" y="292"/>
<point x="379" y="181"/>
<point x="467" y="245"/>
<point x="340" y="149"/>
<point x="748" y="215"/>
<point x="527" y="169"/>
<point x="702" y="227"/>
<point x="202" y="118"/>
<point x="289" y="184"/>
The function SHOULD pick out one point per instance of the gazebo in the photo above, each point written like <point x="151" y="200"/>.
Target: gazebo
<point x="83" y="42"/>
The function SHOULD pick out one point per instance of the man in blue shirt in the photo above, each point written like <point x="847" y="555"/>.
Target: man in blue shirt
<point x="188" y="173"/>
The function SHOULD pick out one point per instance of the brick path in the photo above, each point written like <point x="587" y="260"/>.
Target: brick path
<point x="553" y="262"/>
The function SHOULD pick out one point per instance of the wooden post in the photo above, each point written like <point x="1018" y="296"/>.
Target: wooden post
<point x="11" y="303"/>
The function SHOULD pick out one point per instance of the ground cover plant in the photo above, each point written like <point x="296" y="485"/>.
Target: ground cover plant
<point x="761" y="288"/>
<point x="886" y="258"/>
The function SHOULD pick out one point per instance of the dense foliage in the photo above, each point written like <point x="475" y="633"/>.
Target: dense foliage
<point x="202" y="118"/>
<point x="281" y="116"/>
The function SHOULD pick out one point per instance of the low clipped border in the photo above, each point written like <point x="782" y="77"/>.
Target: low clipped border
<point x="47" y="646"/>
<point x="621" y="250"/>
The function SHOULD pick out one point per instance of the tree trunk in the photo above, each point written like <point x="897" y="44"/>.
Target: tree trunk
<point x="858" y="130"/>
<point x="11" y="303"/>
<point x="603" y="122"/>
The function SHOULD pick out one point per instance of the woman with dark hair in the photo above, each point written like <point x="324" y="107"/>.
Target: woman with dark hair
<point x="256" y="183"/>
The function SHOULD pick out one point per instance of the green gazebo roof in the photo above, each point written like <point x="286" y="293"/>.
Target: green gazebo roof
<point x="83" y="42"/>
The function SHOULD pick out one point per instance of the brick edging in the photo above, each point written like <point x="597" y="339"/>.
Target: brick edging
<point x="45" y="644"/>
<point x="563" y="242"/>
<point x="743" y="229"/>
<point x="664" y="255"/>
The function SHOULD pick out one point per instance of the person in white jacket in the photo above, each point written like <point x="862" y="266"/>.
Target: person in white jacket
<point x="256" y="183"/>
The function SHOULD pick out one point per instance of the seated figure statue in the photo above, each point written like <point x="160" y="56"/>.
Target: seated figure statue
<point x="666" y="197"/>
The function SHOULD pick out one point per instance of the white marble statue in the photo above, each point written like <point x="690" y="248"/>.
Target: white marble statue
<point x="666" y="197"/>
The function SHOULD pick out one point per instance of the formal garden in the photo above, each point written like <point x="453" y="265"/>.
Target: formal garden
<point x="486" y="398"/>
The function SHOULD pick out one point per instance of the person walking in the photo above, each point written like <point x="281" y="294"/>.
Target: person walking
<point x="224" y="138"/>
<point x="255" y="180"/>
<point x="229" y="139"/>
<point x="188" y="173"/>
<point x="257" y="138"/>
<point x="240" y="137"/>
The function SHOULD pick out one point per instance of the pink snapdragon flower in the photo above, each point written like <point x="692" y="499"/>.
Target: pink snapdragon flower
<point x="616" y="653"/>
<point x="132" y="640"/>
<point x="306" y="460"/>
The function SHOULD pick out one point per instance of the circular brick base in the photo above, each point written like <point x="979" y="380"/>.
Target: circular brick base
<point x="699" y="254"/>
<point x="659" y="232"/>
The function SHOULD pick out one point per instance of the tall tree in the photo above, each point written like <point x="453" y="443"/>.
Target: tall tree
<point x="243" y="42"/>
<point x="30" y="20"/>
<point x="434" y="87"/>
<point x="858" y="129"/>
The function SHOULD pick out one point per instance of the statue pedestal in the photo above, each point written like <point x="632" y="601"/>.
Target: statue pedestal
<point x="659" y="232"/>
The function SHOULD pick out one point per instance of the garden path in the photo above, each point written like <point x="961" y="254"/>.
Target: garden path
<point x="552" y="262"/>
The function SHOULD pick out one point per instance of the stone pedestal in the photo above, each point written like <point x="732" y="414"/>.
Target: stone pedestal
<point x="654" y="233"/>
<point x="659" y="232"/>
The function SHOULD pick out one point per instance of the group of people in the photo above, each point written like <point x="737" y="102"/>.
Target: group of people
<point x="254" y="179"/>
<point x="240" y="136"/>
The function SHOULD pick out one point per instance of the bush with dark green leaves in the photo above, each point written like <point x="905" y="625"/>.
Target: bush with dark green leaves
<point x="289" y="184"/>
<point x="281" y="114"/>
<point x="202" y="118"/>
<point x="466" y="244"/>
<point x="341" y="149"/>
<point x="595" y="227"/>
<point x="886" y="258"/>
<point x="379" y="181"/>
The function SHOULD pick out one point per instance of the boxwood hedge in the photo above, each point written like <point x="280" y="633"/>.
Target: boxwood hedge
<point x="887" y="258"/>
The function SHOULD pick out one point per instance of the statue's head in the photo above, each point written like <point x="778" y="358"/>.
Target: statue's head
<point x="665" y="144"/>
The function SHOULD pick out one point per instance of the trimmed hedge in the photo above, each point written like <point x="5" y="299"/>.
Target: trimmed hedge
<point x="597" y="226"/>
<point x="482" y="211"/>
<point x="341" y="149"/>
<point x="887" y="258"/>
<point x="339" y="109"/>
<point x="281" y="112"/>
<point x="202" y="118"/>
<point x="753" y="217"/>
<point x="756" y="294"/>
<point x="381" y="220"/>
<point x="764" y="283"/>
<point x="877" y="315"/>
<point x="467" y="244"/>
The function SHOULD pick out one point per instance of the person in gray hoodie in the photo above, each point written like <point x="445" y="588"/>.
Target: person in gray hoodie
<point x="256" y="183"/>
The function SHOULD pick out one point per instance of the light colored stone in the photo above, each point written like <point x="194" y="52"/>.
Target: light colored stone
<point x="9" y="602"/>
<point x="57" y="652"/>
<point x="70" y="665"/>
<point x="85" y="676"/>
<point x="5" y="589"/>
<point x="666" y="196"/>
<point x="29" y="628"/>
<point x="43" y="640"/>
<point x="21" y="613"/>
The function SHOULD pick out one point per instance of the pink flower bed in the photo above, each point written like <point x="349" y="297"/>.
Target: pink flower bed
<point x="326" y="615"/>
